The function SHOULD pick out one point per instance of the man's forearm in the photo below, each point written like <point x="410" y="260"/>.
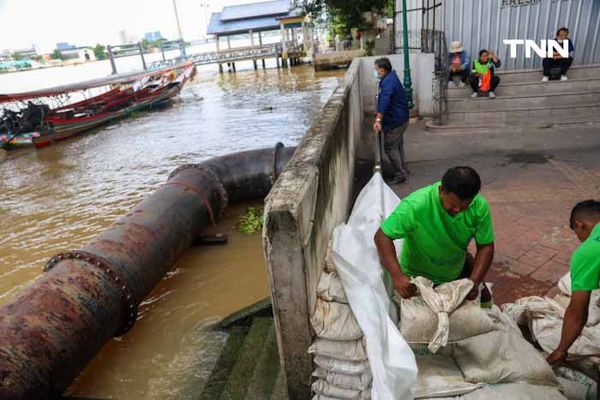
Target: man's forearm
<point x="387" y="254"/>
<point x="482" y="263"/>
<point x="573" y="324"/>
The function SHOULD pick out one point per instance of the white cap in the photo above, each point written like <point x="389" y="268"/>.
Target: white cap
<point x="456" y="47"/>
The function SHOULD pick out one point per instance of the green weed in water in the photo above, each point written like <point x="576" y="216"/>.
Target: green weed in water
<point x="252" y="221"/>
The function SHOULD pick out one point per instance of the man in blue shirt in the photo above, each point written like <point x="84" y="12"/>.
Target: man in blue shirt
<point x="392" y="116"/>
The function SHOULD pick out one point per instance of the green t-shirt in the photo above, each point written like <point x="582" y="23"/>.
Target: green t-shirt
<point x="435" y="243"/>
<point x="585" y="263"/>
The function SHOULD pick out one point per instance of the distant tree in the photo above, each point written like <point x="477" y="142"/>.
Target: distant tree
<point x="389" y="9"/>
<point x="145" y="44"/>
<point x="16" y="56"/>
<point x="344" y="14"/>
<point x="100" y="52"/>
<point x="310" y="7"/>
<point x="57" y="55"/>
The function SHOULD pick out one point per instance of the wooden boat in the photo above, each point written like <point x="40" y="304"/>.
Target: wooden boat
<point x="132" y="92"/>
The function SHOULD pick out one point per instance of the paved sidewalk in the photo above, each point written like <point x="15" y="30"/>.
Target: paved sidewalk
<point x="531" y="181"/>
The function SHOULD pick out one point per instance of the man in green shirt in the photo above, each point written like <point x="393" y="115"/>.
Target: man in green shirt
<point x="585" y="274"/>
<point x="437" y="223"/>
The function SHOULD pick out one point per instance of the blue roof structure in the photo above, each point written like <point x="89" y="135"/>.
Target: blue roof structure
<point x="254" y="16"/>
<point x="262" y="9"/>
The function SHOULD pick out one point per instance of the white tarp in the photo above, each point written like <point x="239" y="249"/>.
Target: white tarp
<point x="356" y="260"/>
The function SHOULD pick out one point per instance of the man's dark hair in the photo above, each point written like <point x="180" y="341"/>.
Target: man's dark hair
<point x="562" y="29"/>
<point x="482" y="52"/>
<point x="464" y="182"/>
<point x="384" y="63"/>
<point x="584" y="210"/>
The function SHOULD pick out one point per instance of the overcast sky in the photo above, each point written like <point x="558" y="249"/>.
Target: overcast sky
<point x="85" y="22"/>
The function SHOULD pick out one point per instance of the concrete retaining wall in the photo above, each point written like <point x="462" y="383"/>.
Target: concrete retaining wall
<point x="422" y="69"/>
<point x="309" y="199"/>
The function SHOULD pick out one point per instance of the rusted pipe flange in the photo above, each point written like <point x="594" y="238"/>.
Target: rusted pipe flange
<point x="275" y="173"/>
<point x="208" y="171"/>
<point x="105" y="266"/>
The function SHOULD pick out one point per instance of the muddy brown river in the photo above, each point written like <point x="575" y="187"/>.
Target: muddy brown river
<point x="60" y="197"/>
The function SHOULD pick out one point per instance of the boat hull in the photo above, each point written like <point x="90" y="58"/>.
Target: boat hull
<point x="112" y="105"/>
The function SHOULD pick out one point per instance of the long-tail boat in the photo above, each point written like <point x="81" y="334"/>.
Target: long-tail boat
<point x="29" y="120"/>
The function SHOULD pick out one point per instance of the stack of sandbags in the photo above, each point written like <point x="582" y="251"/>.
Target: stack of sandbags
<point x="544" y="317"/>
<point x="459" y="345"/>
<point x="342" y="367"/>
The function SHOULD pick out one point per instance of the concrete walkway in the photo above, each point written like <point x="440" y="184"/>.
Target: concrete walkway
<point x="532" y="180"/>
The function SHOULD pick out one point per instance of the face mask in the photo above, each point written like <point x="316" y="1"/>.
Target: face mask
<point x="376" y="75"/>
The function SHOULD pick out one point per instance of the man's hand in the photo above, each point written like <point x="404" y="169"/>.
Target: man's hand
<point x="474" y="292"/>
<point x="403" y="285"/>
<point x="377" y="126"/>
<point x="557" y="356"/>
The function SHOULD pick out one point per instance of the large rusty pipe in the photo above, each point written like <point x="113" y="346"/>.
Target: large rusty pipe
<point x="53" y="329"/>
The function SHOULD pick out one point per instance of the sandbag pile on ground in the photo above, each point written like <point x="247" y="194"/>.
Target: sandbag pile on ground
<point x="544" y="317"/>
<point x="342" y="370"/>
<point x="459" y="345"/>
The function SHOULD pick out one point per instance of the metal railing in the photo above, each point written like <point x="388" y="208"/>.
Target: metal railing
<point x="435" y="42"/>
<point x="239" y="54"/>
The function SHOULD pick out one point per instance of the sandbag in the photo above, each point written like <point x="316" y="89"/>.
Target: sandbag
<point x="322" y="387"/>
<point x="341" y="366"/>
<point x="334" y="321"/>
<point x="512" y="391"/>
<point x="355" y="382"/>
<point x="351" y="350"/>
<point x="441" y="315"/>
<point x="575" y="385"/>
<point x="562" y="301"/>
<point x="547" y="332"/>
<point x="418" y="324"/>
<point x="502" y="356"/>
<point x="439" y="376"/>
<point x="330" y="288"/>
<point x="545" y="323"/>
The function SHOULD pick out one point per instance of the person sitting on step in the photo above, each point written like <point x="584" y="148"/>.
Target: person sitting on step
<point x="459" y="62"/>
<point x="482" y="76"/>
<point x="557" y="64"/>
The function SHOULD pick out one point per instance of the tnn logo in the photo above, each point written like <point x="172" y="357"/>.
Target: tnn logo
<point x="545" y="49"/>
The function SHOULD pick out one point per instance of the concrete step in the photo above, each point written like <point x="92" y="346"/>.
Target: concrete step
<point x="501" y="103"/>
<point x="524" y="116"/>
<point x="532" y="75"/>
<point x="267" y="369"/>
<point x="532" y="127"/>
<point x="227" y="360"/>
<point x="538" y="87"/>
<point x="240" y="377"/>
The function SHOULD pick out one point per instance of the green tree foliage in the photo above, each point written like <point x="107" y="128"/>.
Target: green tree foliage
<point x="16" y="56"/>
<point x="149" y="44"/>
<point x="57" y="55"/>
<point x="100" y="52"/>
<point x="344" y="14"/>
